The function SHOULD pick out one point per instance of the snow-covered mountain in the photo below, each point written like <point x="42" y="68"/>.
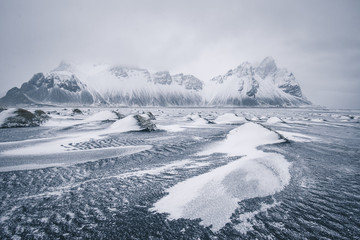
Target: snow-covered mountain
<point x="245" y="85"/>
<point x="119" y="85"/>
<point x="249" y="85"/>
<point x="60" y="86"/>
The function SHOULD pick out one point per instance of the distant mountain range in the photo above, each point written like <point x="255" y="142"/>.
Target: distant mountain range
<point x="246" y="85"/>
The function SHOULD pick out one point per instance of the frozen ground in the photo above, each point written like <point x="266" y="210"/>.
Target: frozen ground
<point x="205" y="173"/>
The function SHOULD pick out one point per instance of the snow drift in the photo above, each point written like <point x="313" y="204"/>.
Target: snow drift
<point x="214" y="196"/>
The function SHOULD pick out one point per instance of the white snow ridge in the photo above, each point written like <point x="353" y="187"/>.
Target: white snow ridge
<point x="214" y="196"/>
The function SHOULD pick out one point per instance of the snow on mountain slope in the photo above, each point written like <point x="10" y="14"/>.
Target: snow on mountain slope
<point x="117" y="85"/>
<point x="237" y="87"/>
<point x="188" y="81"/>
<point x="266" y="67"/>
<point x="134" y="86"/>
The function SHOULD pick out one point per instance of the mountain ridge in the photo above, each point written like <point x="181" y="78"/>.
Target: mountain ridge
<point x="116" y="85"/>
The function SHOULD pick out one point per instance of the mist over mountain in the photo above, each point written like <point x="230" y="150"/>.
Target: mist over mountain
<point x="246" y="85"/>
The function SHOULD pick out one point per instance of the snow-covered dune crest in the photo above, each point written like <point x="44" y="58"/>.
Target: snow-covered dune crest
<point x="214" y="196"/>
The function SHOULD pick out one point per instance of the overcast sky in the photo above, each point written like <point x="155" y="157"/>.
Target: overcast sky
<point x="319" y="41"/>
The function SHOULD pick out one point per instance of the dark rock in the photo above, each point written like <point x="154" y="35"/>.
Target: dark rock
<point x="119" y="115"/>
<point x="39" y="113"/>
<point x="41" y="116"/>
<point x="253" y="89"/>
<point x="151" y="116"/>
<point x="24" y="118"/>
<point x="145" y="123"/>
<point x="77" y="111"/>
<point x="287" y="82"/>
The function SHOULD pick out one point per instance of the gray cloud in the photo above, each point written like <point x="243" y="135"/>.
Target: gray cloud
<point x="317" y="40"/>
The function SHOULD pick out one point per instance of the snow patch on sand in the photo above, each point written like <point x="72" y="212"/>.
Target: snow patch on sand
<point x="126" y="124"/>
<point x="196" y="119"/>
<point x="102" y="116"/>
<point x="229" y="118"/>
<point x="67" y="121"/>
<point x="274" y="120"/>
<point x="214" y="196"/>
<point x="157" y="170"/>
<point x="298" y="137"/>
<point x="243" y="140"/>
<point x="247" y="218"/>
<point x="62" y="144"/>
<point x="171" y="128"/>
<point x="46" y="160"/>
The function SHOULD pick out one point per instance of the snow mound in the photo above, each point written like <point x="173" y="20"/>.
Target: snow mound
<point x="62" y="144"/>
<point x="318" y="120"/>
<point x="102" y="116"/>
<point x="138" y="122"/>
<point x="214" y="196"/>
<point x="244" y="140"/>
<point x="126" y="124"/>
<point x="196" y="119"/>
<point x="345" y="118"/>
<point x="274" y="120"/>
<point x="229" y="118"/>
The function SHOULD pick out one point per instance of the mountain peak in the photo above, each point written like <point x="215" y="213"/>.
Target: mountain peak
<point x="245" y="64"/>
<point x="244" y="69"/>
<point x="268" y="61"/>
<point x="266" y="67"/>
<point x="63" y="66"/>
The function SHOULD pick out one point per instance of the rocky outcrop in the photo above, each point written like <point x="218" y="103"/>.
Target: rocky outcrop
<point x="145" y="123"/>
<point x="162" y="78"/>
<point x="22" y="118"/>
